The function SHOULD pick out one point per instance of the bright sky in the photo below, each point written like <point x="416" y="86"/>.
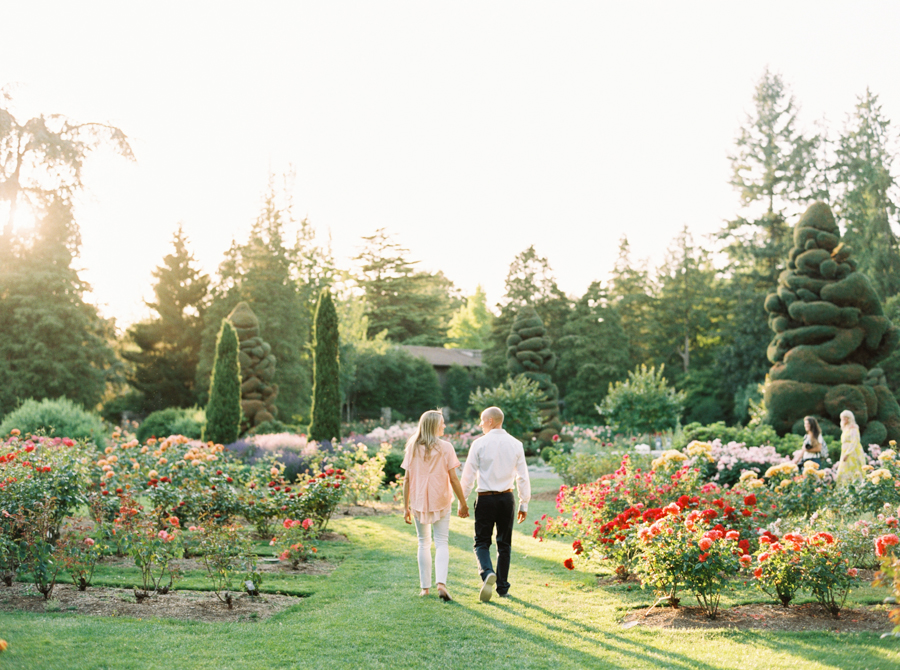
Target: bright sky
<point x="468" y="129"/>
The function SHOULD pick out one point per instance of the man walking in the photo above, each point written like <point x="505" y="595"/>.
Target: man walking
<point x="494" y="460"/>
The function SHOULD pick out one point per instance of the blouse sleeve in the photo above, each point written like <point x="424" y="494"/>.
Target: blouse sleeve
<point x="450" y="457"/>
<point x="405" y="463"/>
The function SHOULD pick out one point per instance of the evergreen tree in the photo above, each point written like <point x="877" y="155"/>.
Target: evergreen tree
<point x="413" y="307"/>
<point x="223" y="412"/>
<point x="326" y="396"/>
<point x="593" y="353"/>
<point x="866" y="203"/>
<point x="686" y="305"/>
<point x="470" y="327"/>
<point x="632" y="291"/>
<point x="165" y="363"/>
<point x="277" y="280"/>
<point x="52" y="343"/>
<point x="530" y="281"/>
<point x="774" y="172"/>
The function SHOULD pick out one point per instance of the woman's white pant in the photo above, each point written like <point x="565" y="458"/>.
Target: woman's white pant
<point x="442" y="550"/>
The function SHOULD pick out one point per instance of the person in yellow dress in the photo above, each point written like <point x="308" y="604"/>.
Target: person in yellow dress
<point x="850" y="467"/>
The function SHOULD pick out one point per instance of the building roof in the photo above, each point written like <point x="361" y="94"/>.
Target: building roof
<point x="440" y="357"/>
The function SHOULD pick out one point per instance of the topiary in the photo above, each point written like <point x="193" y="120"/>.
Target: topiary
<point x="223" y="413"/>
<point x="528" y="354"/>
<point x="830" y="332"/>
<point x="173" y="421"/>
<point x="55" y="418"/>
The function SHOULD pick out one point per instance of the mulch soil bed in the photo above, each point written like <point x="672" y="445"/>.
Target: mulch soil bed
<point x="178" y="604"/>
<point x="806" y="617"/>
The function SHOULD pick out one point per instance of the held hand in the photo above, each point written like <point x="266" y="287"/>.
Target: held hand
<point x="521" y="516"/>
<point x="407" y="516"/>
<point x="463" y="511"/>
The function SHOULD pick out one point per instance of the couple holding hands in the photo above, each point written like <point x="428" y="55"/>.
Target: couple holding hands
<point x="494" y="461"/>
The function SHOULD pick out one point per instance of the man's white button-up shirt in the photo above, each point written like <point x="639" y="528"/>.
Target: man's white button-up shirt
<point x="494" y="461"/>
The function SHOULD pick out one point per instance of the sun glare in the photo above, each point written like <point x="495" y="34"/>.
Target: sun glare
<point x="23" y="221"/>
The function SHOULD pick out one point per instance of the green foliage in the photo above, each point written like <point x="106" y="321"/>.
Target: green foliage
<point x="518" y="397"/>
<point x="413" y="307"/>
<point x="52" y="343"/>
<point x="168" y="346"/>
<point x="223" y="413"/>
<point x="631" y="292"/>
<point x="326" y="402"/>
<point x="226" y="553"/>
<point x="55" y="418"/>
<point x="593" y="353"/>
<point x="394" y="379"/>
<point x="281" y="282"/>
<point x="643" y="403"/>
<point x="470" y="326"/>
<point x="530" y="281"/>
<point x="459" y="382"/>
<point x="173" y="421"/>
<point x="866" y="185"/>
<point x="582" y="468"/>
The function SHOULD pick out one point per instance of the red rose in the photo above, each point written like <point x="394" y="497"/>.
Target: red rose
<point x="569" y="563"/>
<point x="758" y="573"/>
<point x="750" y="500"/>
<point x="703" y="557"/>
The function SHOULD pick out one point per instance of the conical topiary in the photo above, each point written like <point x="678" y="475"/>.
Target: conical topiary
<point x="528" y="353"/>
<point x="830" y="332"/>
<point x="223" y="413"/>
<point x="326" y="395"/>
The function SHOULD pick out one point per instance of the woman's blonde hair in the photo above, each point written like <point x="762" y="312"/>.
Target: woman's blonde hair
<point x="426" y="433"/>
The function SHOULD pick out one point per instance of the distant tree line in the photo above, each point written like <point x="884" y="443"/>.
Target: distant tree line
<point x="700" y="312"/>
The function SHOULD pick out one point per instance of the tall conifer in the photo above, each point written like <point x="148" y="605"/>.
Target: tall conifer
<point x="223" y="413"/>
<point x="326" y="397"/>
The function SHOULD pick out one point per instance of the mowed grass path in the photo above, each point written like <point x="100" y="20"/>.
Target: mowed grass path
<point x="367" y="614"/>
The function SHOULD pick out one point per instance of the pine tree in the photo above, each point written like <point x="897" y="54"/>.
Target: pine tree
<point x="632" y="292"/>
<point x="326" y="396"/>
<point x="413" y="307"/>
<point x="866" y="205"/>
<point x="52" y="343"/>
<point x="223" y="412"/>
<point x="593" y="353"/>
<point x="165" y="364"/>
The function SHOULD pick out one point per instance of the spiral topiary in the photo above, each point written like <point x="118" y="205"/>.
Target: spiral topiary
<point x="830" y="333"/>
<point x="528" y="353"/>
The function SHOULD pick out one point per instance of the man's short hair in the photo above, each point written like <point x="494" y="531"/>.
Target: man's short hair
<point x="494" y="414"/>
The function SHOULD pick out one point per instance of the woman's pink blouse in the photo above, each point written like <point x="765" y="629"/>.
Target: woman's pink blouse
<point x="430" y="494"/>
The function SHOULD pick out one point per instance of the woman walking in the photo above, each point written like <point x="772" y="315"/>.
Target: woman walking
<point x="852" y="456"/>
<point x="428" y="488"/>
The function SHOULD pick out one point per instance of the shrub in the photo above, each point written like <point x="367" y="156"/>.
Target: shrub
<point x="294" y="543"/>
<point x="326" y="393"/>
<point x="173" y="421"/>
<point x="779" y="573"/>
<point x="643" y="403"/>
<point x="223" y="412"/>
<point x="579" y="468"/>
<point x="826" y="573"/>
<point x="394" y="379"/>
<point x="518" y="397"/>
<point x="226" y="553"/>
<point x="886" y="550"/>
<point x="751" y="436"/>
<point x="55" y="418"/>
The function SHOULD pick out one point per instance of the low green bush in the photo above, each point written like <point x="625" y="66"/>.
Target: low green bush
<point x="55" y="418"/>
<point x="173" y="421"/>
<point x="580" y="468"/>
<point x="518" y="397"/>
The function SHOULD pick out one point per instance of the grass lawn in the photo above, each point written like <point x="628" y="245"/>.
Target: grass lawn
<point x="366" y="614"/>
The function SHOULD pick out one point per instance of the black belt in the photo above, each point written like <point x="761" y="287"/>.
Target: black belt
<point x="494" y="493"/>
